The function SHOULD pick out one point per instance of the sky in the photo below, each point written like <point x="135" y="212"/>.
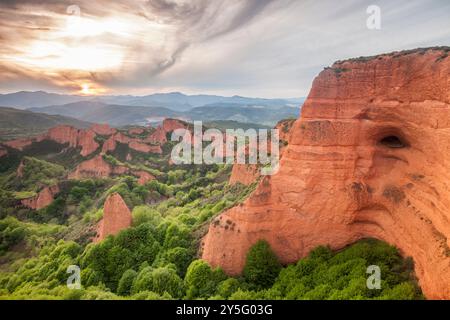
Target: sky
<point x="258" y="48"/>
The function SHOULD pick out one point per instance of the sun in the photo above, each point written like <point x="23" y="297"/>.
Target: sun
<point x="86" y="89"/>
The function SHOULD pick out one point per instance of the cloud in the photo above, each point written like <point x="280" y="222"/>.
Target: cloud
<point x="155" y="35"/>
<point x="246" y="47"/>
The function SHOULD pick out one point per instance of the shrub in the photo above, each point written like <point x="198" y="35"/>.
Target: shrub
<point x="201" y="281"/>
<point x="145" y="214"/>
<point x="166" y="280"/>
<point x="143" y="281"/>
<point x="226" y="288"/>
<point x="126" y="282"/>
<point x="262" y="266"/>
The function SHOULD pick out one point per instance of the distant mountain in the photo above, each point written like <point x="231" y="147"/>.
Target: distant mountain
<point x="175" y="100"/>
<point x="235" y="112"/>
<point x="27" y="99"/>
<point x="16" y="123"/>
<point x="181" y="102"/>
<point x="114" y="115"/>
<point x="79" y="109"/>
<point x="230" y="124"/>
<point x="120" y="115"/>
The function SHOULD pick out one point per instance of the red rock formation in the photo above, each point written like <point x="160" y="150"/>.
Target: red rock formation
<point x="284" y="129"/>
<point x="109" y="145"/>
<point x="87" y="142"/>
<point x="145" y="148"/>
<point x="136" y="131"/>
<point x="103" y="129"/>
<point x="96" y="167"/>
<point x="158" y="136"/>
<point x="3" y="152"/>
<point x="116" y="217"/>
<point x="64" y="135"/>
<point x="170" y="125"/>
<point x="43" y="199"/>
<point x="75" y="138"/>
<point x="244" y="173"/>
<point x="134" y="143"/>
<point x="18" y="144"/>
<point x="369" y="157"/>
<point x="144" y="177"/>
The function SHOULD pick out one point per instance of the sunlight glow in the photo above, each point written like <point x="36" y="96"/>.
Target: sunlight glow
<point x="85" y="89"/>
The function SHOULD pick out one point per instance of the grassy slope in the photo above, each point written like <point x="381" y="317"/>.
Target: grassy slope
<point x="16" y="123"/>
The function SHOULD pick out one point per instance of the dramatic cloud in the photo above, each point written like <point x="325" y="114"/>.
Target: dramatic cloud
<point x="247" y="47"/>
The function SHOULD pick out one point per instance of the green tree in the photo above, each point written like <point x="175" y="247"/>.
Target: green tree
<point x="126" y="282"/>
<point x="201" y="281"/>
<point x="226" y="288"/>
<point x="167" y="280"/>
<point x="143" y="281"/>
<point x="180" y="257"/>
<point x="145" y="214"/>
<point x="262" y="266"/>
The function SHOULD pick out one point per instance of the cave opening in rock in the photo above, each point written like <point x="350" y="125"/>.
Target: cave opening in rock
<point x="392" y="141"/>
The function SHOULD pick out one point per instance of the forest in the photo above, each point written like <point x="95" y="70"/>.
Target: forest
<point x="158" y="257"/>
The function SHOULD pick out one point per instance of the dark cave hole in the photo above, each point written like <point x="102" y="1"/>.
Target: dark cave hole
<point x="392" y="142"/>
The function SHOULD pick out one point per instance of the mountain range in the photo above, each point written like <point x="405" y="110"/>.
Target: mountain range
<point x="144" y="110"/>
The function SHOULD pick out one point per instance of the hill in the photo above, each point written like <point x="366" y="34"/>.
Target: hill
<point x="16" y="123"/>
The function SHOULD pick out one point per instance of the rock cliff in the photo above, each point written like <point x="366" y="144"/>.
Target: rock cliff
<point x="43" y="199"/>
<point x="116" y="217"/>
<point x="369" y="157"/>
<point x="96" y="167"/>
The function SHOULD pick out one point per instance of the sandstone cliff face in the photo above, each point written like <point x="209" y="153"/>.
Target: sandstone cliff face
<point x="75" y="138"/>
<point x="43" y="199"/>
<point x="96" y="167"/>
<point x="134" y="143"/>
<point x="116" y="217"/>
<point x="158" y="136"/>
<point x="170" y="125"/>
<point x="369" y="157"/>
<point x="18" y="144"/>
<point x="144" y="177"/>
<point x="103" y="129"/>
<point x="85" y="139"/>
<point x="145" y="148"/>
<point x="64" y="135"/>
<point x="136" y="131"/>
<point x="244" y="173"/>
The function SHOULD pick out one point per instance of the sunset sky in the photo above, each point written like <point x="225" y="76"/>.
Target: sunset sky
<point x="246" y="47"/>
